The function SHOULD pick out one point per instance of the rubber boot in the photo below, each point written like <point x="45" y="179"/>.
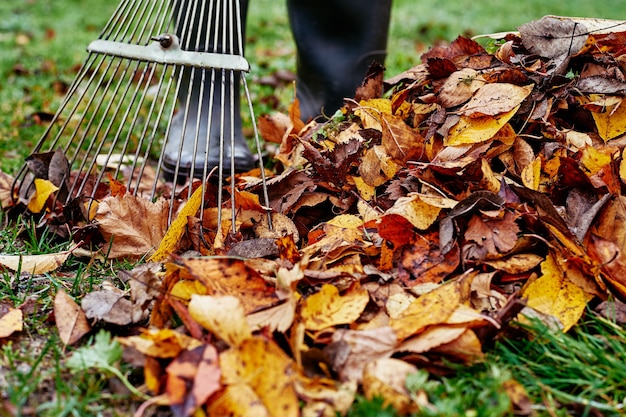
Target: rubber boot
<point x="337" y="40"/>
<point x="201" y="117"/>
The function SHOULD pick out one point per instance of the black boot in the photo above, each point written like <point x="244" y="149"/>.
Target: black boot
<point x="337" y="40"/>
<point x="200" y="115"/>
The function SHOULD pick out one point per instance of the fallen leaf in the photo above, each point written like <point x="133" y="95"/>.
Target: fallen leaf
<point x="192" y="378"/>
<point x="35" y="264"/>
<point x="11" y="320"/>
<point x="178" y="227"/>
<point x="385" y="378"/>
<point x="132" y="225"/>
<point x="222" y="315"/>
<point x="228" y="276"/>
<point x="108" y="306"/>
<point x="350" y="350"/>
<point x="554" y="294"/>
<point x="43" y="190"/>
<point x="434" y="307"/>
<point x="259" y="379"/>
<point x="160" y="343"/>
<point x="327" y="308"/>
<point x="69" y="318"/>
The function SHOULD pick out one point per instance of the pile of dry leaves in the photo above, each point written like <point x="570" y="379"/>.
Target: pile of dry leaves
<point x="407" y="231"/>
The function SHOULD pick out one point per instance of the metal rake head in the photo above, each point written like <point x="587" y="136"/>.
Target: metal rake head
<point x="160" y="70"/>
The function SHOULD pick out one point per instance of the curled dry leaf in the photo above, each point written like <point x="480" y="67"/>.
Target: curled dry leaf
<point x="70" y="320"/>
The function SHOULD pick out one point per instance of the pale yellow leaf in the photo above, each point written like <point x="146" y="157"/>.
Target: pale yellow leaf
<point x="35" y="264"/>
<point x="222" y="315"/>
<point x="11" y="321"/>
<point x="471" y="130"/>
<point x="386" y="378"/>
<point x="531" y="175"/>
<point x="418" y="212"/>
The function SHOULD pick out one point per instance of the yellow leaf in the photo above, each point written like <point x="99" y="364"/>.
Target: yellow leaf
<point x="260" y="377"/>
<point x="43" y="190"/>
<point x="366" y="191"/>
<point x="177" y="228"/>
<point x="555" y="295"/>
<point x="346" y="221"/>
<point x="418" y="212"/>
<point x="434" y="307"/>
<point x="370" y="111"/>
<point x="610" y="119"/>
<point x="327" y="308"/>
<point x="471" y="130"/>
<point x="531" y="174"/>
<point x="184" y="289"/>
<point x="594" y="160"/>
<point x="222" y="315"/>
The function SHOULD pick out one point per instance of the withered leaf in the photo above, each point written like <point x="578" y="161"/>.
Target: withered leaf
<point x="11" y="320"/>
<point x="132" y="225"/>
<point x="69" y="318"/>
<point x="108" y="306"/>
<point x="192" y="378"/>
<point x="228" y="276"/>
<point x="496" y="235"/>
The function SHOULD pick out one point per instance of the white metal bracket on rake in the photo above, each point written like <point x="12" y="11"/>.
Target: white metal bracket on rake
<point x="165" y="50"/>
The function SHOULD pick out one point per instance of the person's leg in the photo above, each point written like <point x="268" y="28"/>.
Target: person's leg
<point x="337" y="40"/>
<point x="199" y="118"/>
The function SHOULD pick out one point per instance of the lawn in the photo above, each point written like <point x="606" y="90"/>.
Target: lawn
<point x="42" y="44"/>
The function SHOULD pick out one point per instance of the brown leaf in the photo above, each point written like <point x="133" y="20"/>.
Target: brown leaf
<point x="6" y="191"/>
<point x="132" y="225"/>
<point x="351" y="350"/>
<point x="108" y="306"/>
<point x="232" y="277"/>
<point x="192" y="378"/>
<point x="424" y="262"/>
<point x="496" y="235"/>
<point x="69" y="318"/>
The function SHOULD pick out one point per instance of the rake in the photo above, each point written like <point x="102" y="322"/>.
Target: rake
<point x="135" y="84"/>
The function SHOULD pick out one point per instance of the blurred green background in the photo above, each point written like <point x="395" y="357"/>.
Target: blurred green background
<point x="42" y="44"/>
